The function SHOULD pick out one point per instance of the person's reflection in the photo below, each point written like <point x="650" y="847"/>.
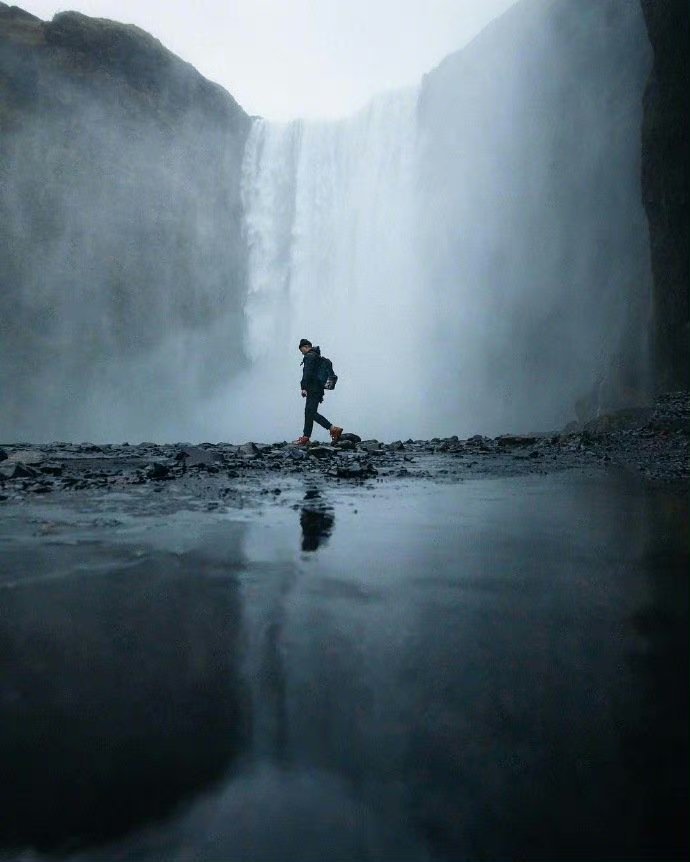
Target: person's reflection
<point x="316" y="520"/>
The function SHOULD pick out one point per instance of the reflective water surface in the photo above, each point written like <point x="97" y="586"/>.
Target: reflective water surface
<point x="495" y="669"/>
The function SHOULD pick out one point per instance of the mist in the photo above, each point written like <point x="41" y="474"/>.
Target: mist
<point x="471" y="252"/>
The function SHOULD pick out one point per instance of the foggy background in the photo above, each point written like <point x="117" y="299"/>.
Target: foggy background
<point x="471" y="251"/>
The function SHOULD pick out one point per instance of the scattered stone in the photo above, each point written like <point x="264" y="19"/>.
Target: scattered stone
<point x="321" y="451"/>
<point x="3" y="455"/>
<point x="354" y="470"/>
<point x="345" y="445"/>
<point x="396" y="446"/>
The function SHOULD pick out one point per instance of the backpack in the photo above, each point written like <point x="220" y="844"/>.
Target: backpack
<point x="325" y="374"/>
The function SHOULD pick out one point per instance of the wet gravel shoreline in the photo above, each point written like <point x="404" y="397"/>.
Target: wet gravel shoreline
<point x="650" y="442"/>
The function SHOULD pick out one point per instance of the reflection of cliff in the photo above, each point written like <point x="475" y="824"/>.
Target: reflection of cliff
<point x="665" y="186"/>
<point x="121" y="697"/>
<point x="120" y="219"/>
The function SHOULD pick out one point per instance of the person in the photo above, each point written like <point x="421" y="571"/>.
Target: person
<point x="313" y="391"/>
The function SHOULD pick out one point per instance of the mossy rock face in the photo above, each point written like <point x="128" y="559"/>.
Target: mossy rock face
<point x="120" y="214"/>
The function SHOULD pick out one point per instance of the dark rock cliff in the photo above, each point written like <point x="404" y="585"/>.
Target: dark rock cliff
<point x="532" y="189"/>
<point x="665" y="186"/>
<point x="122" y="266"/>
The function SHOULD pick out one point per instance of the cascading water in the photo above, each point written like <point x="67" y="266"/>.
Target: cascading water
<point x="472" y="253"/>
<point x="330" y="224"/>
<point x="468" y="262"/>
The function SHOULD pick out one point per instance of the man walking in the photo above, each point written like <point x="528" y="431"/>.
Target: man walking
<point x="312" y="390"/>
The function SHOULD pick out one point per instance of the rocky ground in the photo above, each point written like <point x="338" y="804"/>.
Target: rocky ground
<point x="652" y="442"/>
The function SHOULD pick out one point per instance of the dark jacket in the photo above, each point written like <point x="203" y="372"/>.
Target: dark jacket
<point x="310" y="365"/>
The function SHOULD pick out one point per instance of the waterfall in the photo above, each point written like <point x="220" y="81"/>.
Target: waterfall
<point x="330" y="219"/>
<point x="472" y="253"/>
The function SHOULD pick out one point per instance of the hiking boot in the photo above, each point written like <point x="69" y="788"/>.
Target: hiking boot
<point x="335" y="433"/>
<point x="302" y="441"/>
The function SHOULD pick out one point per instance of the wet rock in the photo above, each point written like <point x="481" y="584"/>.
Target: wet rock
<point x="321" y="452"/>
<point x="16" y="470"/>
<point x="156" y="470"/>
<point x="3" y="455"/>
<point x="622" y="420"/>
<point x="353" y="438"/>
<point x="249" y="450"/>
<point x="50" y="468"/>
<point x="295" y="454"/>
<point x="370" y="446"/>
<point x="354" y="470"/>
<point x="507" y="440"/>
<point x="345" y="445"/>
<point x="396" y="446"/>
<point x="195" y="456"/>
<point x="40" y="488"/>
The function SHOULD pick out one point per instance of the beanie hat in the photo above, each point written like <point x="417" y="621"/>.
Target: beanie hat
<point x="304" y="342"/>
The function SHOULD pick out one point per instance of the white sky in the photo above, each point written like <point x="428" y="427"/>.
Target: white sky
<point x="293" y="58"/>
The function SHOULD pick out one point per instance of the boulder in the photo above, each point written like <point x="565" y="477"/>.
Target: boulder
<point x="353" y="438"/>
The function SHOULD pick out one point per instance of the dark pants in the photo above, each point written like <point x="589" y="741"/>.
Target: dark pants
<point x="311" y="413"/>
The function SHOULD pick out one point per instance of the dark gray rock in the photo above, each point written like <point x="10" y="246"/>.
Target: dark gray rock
<point x="666" y="187"/>
<point x="3" y="455"/>
<point x="17" y="470"/>
<point x="195" y="456"/>
<point x="345" y="445"/>
<point x="321" y="452"/>
<point x="249" y="450"/>
<point x="509" y="440"/>
<point x="294" y="453"/>
<point x="157" y="471"/>
<point x="353" y="438"/>
<point x="50" y="468"/>
<point x="620" y="420"/>
<point x="354" y="470"/>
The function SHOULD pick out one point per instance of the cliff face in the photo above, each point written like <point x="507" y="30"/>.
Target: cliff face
<point x="665" y="187"/>
<point x="122" y="262"/>
<point x="532" y="167"/>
